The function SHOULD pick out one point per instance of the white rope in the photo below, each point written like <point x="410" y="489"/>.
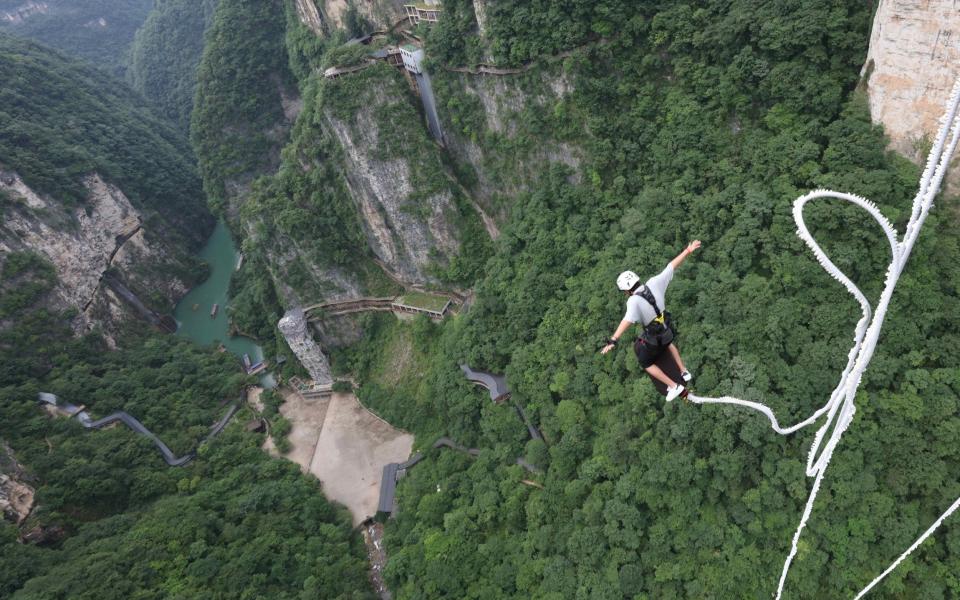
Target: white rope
<point x="841" y="407"/>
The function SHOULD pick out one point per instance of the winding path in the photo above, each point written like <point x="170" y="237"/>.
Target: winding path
<point x="496" y="384"/>
<point x="841" y="406"/>
<point x="122" y="417"/>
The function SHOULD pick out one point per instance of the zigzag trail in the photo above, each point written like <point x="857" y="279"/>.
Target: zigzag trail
<point x="841" y="407"/>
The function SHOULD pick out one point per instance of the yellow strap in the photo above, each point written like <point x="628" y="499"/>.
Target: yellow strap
<point x="660" y="319"/>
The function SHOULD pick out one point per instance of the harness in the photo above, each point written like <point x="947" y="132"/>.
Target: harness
<point x="660" y="331"/>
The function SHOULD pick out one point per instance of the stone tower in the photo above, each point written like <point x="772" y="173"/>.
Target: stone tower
<point x="293" y="326"/>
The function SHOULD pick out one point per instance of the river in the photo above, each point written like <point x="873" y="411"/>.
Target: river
<point x="193" y="311"/>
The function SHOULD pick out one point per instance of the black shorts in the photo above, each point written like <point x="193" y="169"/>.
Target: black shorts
<point x="646" y="353"/>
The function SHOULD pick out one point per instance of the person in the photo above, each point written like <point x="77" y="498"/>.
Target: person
<point x="646" y="304"/>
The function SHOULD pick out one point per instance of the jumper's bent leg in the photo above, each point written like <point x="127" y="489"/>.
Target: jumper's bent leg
<point x="657" y="373"/>
<point x="676" y="356"/>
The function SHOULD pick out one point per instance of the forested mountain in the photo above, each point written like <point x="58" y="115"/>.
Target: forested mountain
<point x="99" y="31"/>
<point x="578" y="139"/>
<point x="111" y="519"/>
<point x="654" y="126"/>
<point x="94" y="181"/>
<point x="166" y="53"/>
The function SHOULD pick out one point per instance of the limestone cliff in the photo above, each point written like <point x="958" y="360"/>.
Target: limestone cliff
<point x="486" y="119"/>
<point x="396" y="179"/>
<point x="16" y="494"/>
<point x="913" y="61"/>
<point x="328" y="15"/>
<point x="105" y="234"/>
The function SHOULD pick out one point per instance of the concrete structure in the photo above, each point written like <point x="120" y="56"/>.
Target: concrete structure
<point x="496" y="384"/>
<point x="293" y="326"/>
<point x="69" y="410"/>
<point x="311" y="390"/>
<point x="428" y="10"/>
<point x="412" y="58"/>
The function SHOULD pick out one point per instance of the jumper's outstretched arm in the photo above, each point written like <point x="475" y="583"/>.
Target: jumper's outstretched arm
<point x="686" y="252"/>
<point x="621" y="329"/>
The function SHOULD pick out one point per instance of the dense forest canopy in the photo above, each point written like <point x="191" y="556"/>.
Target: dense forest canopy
<point x="166" y="53"/>
<point x="234" y="523"/>
<point x="236" y="127"/>
<point x="98" y="31"/>
<point x="62" y="121"/>
<point x="705" y="120"/>
<point x="688" y="119"/>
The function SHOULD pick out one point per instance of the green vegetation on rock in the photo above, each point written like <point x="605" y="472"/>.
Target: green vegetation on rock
<point x="237" y="126"/>
<point x="233" y="523"/>
<point x="425" y="301"/>
<point x="99" y="31"/>
<point x="62" y="121"/>
<point x="166" y="53"/>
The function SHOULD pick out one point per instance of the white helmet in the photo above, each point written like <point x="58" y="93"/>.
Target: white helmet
<point x="627" y="280"/>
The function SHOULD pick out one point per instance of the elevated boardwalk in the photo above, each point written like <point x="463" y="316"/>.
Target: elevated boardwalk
<point x="495" y="384"/>
<point x="122" y="417"/>
<point x="371" y="304"/>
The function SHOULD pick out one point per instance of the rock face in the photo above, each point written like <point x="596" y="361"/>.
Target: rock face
<point x="380" y="14"/>
<point x="407" y="229"/>
<point x="106" y="232"/>
<point x="913" y="62"/>
<point x="502" y="101"/>
<point x="309" y="15"/>
<point x="16" y="496"/>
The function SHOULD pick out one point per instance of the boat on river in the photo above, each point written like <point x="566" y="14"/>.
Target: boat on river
<point x="213" y="311"/>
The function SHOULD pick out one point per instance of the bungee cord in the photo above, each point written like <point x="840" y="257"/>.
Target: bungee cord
<point x="841" y="407"/>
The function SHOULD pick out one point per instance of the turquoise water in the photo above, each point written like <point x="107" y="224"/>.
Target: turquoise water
<point x="193" y="312"/>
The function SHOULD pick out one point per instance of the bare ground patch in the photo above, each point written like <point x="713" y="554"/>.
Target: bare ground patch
<point x="353" y="446"/>
<point x="306" y="418"/>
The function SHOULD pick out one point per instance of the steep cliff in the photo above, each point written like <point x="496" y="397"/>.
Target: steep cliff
<point x="352" y="16"/>
<point x="16" y="493"/>
<point x="246" y="99"/>
<point x="506" y="130"/>
<point x="106" y="234"/>
<point x="393" y="173"/>
<point x="103" y="187"/>
<point x="166" y="52"/>
<point x="912" y="64"/>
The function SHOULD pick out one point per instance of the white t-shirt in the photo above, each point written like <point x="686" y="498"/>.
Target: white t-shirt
<point x="638" y="309"/>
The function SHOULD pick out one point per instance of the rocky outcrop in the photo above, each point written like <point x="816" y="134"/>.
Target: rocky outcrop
<point x="480" y="12"/>
<point x="16" y="496"/>
<point x="309" y="15"/>
<point x="26" y="10"/>
<point x="379" y="14"/>
<point x="912" y="64"/>
<point x="105" y="233"/>
<point x="407" y="229"/>
<point x="501" y="102"/>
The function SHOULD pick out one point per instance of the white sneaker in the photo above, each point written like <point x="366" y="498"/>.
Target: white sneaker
<point x="673" y="392"/>
<point x="687" y="377"/>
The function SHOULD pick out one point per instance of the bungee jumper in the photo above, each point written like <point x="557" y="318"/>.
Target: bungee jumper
<point x="646" y="304"/>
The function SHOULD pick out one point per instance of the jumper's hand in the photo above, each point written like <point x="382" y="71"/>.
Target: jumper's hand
<point x="607" y="348"/>
<point x="693" y="246"/>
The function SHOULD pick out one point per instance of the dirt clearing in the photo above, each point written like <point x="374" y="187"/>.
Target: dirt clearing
<point x="353" y="446"/>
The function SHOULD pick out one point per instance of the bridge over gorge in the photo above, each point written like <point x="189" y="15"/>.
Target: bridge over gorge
<point x="295" y="330"/>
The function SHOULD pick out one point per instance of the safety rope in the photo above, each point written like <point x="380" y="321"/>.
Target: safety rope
<point x="841" y="406"/>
